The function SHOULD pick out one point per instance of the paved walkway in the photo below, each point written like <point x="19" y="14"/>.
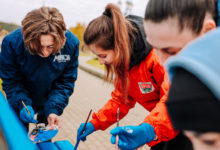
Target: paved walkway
<point x="92" y="92"/>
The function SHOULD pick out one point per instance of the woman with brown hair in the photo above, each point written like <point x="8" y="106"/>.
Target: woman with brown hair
<point x="119" y="43"/>
<point x="38" y="65"/>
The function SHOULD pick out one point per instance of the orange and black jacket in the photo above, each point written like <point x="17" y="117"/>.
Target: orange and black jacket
<point x="148" y="85"/>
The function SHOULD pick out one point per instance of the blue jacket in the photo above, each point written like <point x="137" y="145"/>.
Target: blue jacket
<point x="38" y="81"/>
<point x="202" y="59"/>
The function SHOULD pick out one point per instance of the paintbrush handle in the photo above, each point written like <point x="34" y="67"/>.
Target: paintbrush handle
<point x="116" y="143"/>
<point x="87" y="120"/>
<point x="26" y="108"/>
<point x="117" y="125"/>
<point x="77" y="143"/>
<point x="28" y="111"/>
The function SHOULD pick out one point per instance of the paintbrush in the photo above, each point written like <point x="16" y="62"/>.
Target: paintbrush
<point x="118" y="113"/>
<point x="77" y="143"/>
<point x="117" y="125"/>
<point x="28" y="111"/>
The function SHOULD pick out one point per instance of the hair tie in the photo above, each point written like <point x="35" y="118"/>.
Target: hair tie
<point x="107" y="13"/>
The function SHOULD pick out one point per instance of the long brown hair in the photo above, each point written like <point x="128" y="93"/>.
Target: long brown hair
<point x="43" y="21"/>
<point x="111" y="31"/>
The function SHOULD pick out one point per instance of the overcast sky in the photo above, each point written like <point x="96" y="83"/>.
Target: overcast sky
<point x="74" y="11"/>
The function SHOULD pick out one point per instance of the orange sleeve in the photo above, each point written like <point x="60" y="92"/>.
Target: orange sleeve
<point x="107" y="115"/>
<point x="158" y="117"/>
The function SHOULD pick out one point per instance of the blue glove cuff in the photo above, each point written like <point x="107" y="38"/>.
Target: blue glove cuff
<point x="81" y="135"/>
<point x="26" y="117"/>
<point x="91" y="126"/>
<point x="132" y="137"/>
<point x="149" y="130"/>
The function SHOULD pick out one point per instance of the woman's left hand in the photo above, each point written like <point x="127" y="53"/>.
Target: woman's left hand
<point x="132" y="137"/>
<point x="53" y="119"/>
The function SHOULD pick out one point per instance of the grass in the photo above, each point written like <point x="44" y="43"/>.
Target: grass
<point x="85" y="53"/>
<point x="8" y="26"/>
<point x="94" y="62"/>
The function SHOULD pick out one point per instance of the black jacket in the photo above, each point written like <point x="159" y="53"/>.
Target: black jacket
<point x="139" y="46"/>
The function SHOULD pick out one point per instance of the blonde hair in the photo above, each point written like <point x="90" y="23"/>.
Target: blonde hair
<point x="43" y="21"/>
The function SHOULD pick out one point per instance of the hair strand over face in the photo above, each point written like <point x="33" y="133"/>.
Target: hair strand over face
<point x="43" y="21"/>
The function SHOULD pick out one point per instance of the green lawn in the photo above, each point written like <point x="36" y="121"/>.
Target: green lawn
<point x="85" y="53"/>
<point x="94" y="62"/>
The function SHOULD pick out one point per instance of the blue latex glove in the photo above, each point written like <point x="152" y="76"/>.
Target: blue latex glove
<point x="25" y="117"/>
<point x="132" y="137"/>
<point x="88" y="130"/>
<point x="44" y="136"/>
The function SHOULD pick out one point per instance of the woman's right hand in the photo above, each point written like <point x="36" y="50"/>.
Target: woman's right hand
<point x="26" y="117"/>
<point x="81" y="135"/>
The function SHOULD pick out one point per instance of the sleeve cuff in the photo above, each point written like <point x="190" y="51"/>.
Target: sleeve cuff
<point x="95" y="124"/>
<point x="51" y="111"/>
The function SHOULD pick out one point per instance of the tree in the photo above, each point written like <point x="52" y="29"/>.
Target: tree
<point x="9" y="27"/>
<point x="79" y="30"/>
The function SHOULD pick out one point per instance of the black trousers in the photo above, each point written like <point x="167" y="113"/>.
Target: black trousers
<point x="180" y="142"/>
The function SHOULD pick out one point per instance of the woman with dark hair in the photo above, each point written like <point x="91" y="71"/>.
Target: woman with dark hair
<point x="171" y="25"/>
<point x="119" y="43"/>
<point x="194" y="97"/>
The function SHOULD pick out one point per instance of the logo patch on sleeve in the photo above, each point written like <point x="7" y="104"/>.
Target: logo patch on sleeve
<point x="145" y="87"/>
